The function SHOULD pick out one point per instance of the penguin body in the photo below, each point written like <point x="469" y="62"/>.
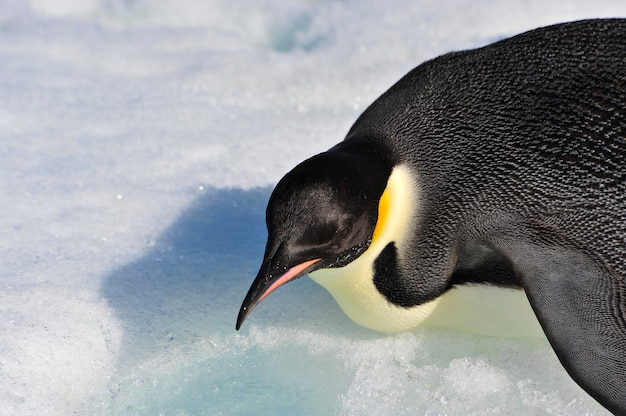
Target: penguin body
<point x="495" y="170"/>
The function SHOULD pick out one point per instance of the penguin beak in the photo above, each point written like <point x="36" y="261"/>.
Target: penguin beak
<point x="266" y="282"/>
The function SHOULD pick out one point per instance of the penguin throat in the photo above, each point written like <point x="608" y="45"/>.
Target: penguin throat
<point x="349" y="255"/>
<point x="353" y="286"/>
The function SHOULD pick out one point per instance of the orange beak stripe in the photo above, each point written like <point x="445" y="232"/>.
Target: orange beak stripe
<point x="291" y="273"/>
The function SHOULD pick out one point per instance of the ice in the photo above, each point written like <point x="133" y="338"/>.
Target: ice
<point x="139" y="141"/>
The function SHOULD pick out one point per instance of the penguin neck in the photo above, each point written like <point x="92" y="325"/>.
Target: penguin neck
<point x="353" y="286"/>
<point x="478" y="308"/>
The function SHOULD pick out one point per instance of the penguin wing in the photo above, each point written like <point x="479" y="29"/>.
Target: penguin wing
<point x="582" y="309"/>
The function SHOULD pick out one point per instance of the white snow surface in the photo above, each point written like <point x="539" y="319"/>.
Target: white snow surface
<point x="139" y="142"/>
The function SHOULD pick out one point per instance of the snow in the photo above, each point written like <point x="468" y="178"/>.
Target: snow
<point x="139" y="141"/>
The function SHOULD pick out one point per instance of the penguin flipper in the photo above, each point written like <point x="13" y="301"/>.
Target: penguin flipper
<point x="582" y="310"/>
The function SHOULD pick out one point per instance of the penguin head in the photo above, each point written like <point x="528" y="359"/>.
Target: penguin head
<point x="321" y="215"/>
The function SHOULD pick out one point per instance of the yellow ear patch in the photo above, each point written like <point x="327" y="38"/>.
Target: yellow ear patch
<point x="383" y="213"/>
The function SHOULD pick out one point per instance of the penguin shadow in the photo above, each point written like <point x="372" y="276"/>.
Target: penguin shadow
<point x="192" y="279"/>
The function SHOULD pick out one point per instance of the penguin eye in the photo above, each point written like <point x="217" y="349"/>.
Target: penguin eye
<point x="317" y="235"/>
<point x="342" y="232"/>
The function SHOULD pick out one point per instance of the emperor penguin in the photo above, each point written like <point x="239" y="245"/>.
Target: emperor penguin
<point x="495" y="170"/>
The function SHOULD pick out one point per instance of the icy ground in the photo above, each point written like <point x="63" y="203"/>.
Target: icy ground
<point x="139" y="141"/>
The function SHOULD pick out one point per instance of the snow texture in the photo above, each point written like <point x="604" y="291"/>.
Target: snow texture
<point x="139" y="142"/>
